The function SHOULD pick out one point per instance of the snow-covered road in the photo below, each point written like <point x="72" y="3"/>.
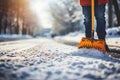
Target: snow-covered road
<point x="44" y="59"/>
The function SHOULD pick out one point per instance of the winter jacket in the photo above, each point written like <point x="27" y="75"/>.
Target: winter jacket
<point x="88" y="2"/>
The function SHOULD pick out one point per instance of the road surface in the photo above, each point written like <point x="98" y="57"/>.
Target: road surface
<point x="45" y="59"/>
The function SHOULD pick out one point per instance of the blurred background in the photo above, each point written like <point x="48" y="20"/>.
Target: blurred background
<point x="21" y="19"/>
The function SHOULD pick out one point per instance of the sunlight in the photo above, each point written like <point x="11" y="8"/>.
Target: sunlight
<point x="37" y="6"/>
<point x="40" y="8"/>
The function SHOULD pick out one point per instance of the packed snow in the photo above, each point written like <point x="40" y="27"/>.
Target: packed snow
<point x="49" y="60"/>
<point x="76" y="65"/>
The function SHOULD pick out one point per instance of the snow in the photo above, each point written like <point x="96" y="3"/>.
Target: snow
<point x="75" y="64"/>
<point x="112" y="37"/>
<point x="14" y="37"/>
<point x="45" y="59"/>
<point x="113" y="32"/>
<point x="49" y="60"/>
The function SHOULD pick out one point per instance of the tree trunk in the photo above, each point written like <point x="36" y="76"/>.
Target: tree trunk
<point x="10" y="27"/>
<point x="5" y="26"/>
<point x="23" y="29"/>
<point x="17" y="27"/>
<point x="117" y="11"/>
<point x="110" y="14"/>
<point x="0" y="23"/>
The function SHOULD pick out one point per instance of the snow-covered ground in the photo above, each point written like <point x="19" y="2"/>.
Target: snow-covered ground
<point x="76" y="65"/>
<point x="8" y="37"/>
<point x="44" y="59"/>
<point x="112" y="37"/>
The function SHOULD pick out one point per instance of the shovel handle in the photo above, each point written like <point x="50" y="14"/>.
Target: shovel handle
<point x="92" y="14"/>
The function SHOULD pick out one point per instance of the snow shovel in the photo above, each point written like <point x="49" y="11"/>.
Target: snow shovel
<point x="91" y="42"/>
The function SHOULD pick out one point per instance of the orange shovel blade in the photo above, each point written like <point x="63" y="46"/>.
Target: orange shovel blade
<point x="92" y="43"/>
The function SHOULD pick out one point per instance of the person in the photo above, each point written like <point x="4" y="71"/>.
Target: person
<point x="99" y="15"/>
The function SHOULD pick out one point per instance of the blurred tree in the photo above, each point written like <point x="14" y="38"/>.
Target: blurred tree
<point x="72" y="8"/>
<point x="60" y="22"/>
<point x="3" y="15"/>
<point x="16" y="17"/>
<point x="26" y="19"/>
<point x="117" y="11"/>
<point x="1" y="9"/>
<point x="66" y="16"/>
<point x="113" y="6"/>
<point x="19" y="7"/>
<point x="110" y="14"/>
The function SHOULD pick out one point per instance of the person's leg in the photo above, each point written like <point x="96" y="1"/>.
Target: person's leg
<point x="87" y="20"/>
<point x="100" y="19"/>
<point x="101" y="23"/>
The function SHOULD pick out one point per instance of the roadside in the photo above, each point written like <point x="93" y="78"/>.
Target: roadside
<point x="13" y="37"/>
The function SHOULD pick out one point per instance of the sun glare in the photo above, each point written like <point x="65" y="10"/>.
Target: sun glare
<point x="39" y="7"/>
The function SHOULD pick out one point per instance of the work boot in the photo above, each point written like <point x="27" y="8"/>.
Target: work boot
<point x="106" y="46"/>
<point x="102" y="37"/>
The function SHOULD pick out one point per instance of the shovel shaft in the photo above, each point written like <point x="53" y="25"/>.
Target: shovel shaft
<point x="92" y="14"/>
